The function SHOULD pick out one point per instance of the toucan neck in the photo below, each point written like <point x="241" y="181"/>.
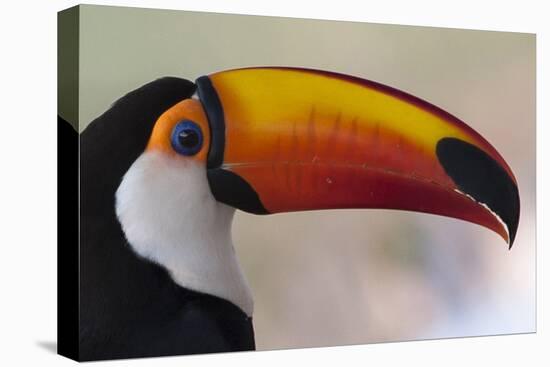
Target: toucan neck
<point x="170" y="217"/>
<point x="207" y="262"/>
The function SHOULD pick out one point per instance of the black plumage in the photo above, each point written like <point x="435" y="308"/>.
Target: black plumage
<point x="129" y="306"/>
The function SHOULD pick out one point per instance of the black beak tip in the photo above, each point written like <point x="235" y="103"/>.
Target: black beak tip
<point x="480" y="176"/>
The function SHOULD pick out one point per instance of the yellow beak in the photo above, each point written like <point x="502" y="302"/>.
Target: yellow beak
<point x="287" y="139"/>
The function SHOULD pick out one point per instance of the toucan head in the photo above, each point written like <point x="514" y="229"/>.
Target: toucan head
<point x="274" y="139"/>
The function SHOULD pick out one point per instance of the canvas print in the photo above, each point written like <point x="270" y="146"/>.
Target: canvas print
<point x="238" y="183"/>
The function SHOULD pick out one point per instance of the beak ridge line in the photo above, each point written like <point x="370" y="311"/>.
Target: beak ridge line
<point x="214" y="112"/>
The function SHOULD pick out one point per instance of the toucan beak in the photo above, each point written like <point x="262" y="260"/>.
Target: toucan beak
<point x="286" y="139"/>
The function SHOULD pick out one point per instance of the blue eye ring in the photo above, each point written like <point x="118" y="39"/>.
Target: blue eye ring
<point x="187" y="138"/>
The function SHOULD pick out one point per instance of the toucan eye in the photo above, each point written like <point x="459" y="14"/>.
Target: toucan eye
<point x="187" y="137"/>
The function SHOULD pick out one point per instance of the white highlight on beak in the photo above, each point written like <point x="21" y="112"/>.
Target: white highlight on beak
<point x="488" y="209"/>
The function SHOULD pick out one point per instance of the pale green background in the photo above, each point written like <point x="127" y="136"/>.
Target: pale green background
<point x="354" y="276"/>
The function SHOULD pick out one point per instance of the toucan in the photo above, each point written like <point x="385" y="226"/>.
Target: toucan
<point x="163" y="170"/>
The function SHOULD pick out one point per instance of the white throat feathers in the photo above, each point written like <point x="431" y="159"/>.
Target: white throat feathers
<point x="170" y="217"/>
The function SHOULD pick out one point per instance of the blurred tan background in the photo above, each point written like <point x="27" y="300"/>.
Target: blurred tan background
<point x="354" y="276"/>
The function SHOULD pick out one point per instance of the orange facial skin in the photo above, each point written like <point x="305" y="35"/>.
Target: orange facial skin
<point x="189" y="109"/>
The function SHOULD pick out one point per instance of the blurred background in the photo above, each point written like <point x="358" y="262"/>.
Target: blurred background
<point x="354" y="276"/>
